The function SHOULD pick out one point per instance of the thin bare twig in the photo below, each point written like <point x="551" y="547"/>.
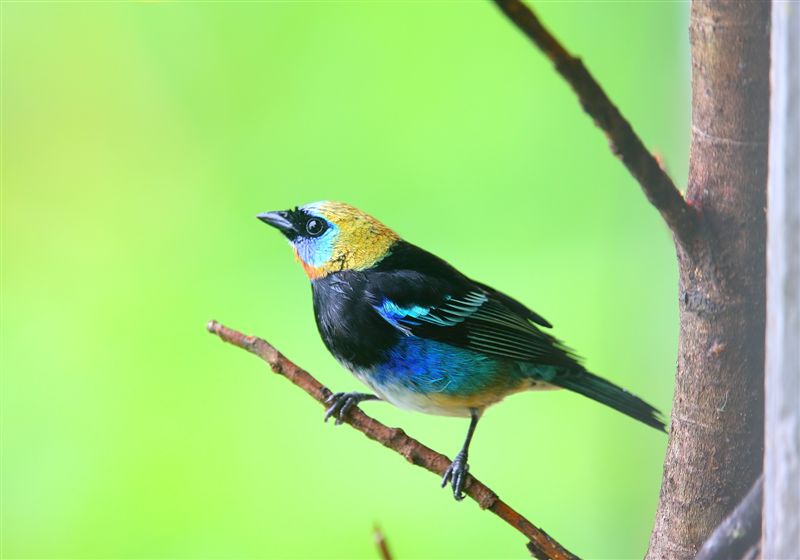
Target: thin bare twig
<point x="380" y="542"/>
<point x="679" y="216"/>
<point x="541" y="544"/>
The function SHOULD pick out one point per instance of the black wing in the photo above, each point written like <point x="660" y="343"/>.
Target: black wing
<point x="422" y="295"/>
<point x="515" y="306"/>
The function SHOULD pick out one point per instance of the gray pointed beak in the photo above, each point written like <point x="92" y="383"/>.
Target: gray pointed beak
<point x="278" y="220"/>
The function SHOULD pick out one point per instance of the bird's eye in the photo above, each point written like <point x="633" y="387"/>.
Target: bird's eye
<point x="315" y="227"/>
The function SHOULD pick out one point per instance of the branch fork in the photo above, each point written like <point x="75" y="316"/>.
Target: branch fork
<point x="680" y="217"/>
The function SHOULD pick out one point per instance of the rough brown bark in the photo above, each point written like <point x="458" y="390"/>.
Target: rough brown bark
<point x="716" y="438"/>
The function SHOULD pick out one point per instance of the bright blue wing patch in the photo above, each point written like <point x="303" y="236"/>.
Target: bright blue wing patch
<point x="450" y="313"/>
<point x="477" y="322"/>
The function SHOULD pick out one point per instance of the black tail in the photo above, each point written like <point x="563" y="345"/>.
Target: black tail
<point x="605" y="392"/>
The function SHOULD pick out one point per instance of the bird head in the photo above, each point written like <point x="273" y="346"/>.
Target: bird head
<point x="330" y="237"/>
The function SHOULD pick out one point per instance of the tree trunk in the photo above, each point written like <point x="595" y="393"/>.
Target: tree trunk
<point x="782" y="456"/>
<point x="716" y="437"/>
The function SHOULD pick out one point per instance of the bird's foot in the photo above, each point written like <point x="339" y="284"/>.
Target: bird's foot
<point x="342" y="403"/>
<point x="456" y="475"/>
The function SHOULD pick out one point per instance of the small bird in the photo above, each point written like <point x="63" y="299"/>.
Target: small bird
<point x="422" y="335"/>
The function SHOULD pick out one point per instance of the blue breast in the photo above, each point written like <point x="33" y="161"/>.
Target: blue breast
<point x="426" y="366"/>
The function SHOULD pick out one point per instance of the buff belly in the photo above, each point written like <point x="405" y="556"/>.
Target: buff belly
<point x="438" y="378"/>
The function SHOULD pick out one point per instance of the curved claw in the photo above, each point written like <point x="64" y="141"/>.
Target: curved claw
<point x="337" y="402"/>
<point x="456" y="475"/>
<point x="342" y="403"/>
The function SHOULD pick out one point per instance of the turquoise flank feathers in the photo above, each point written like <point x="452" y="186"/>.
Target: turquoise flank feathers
<point x="436" y="377"/>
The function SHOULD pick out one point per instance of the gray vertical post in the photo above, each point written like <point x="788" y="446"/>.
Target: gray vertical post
<point x="782" y="442"/>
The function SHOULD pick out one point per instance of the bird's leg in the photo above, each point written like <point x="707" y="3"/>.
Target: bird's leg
<point x="456" y="473"/>
<point x="341" y="403"/>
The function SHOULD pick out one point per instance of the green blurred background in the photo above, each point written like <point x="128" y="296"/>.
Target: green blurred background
<point x="139" y="140"/>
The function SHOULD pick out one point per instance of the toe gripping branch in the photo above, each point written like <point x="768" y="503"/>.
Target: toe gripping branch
<point x="456" y="474"/>
<point x="342" y="403"/>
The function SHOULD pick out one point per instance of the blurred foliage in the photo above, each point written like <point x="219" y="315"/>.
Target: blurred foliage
<point x="139" y="140"/>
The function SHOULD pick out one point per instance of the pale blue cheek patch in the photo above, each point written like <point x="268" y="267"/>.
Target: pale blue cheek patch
<point x="317" y="251"/>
